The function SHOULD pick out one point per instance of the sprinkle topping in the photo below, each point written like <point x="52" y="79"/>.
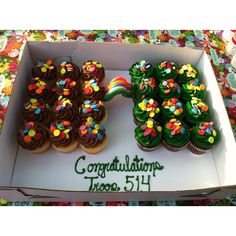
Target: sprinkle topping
<point x="30" y="132"/>
<point x="207" y="129"/>
<point x="167" y="66"/>
<point x="198" y="106"/>
<point x="45" y="66"/>
<point x="61" y="129"/>
<point x="195" y="85"/>
<point x="66" y="85"/>
<point x="151" y="106"/>
<point x="66" y="67"/>
<point x="37" y="85"/>
<point x="92" y="66"/>
<point x="149" y="128"/>
<point x="189" y="70"/>
<point x="62" y="103"/>
<point x="175" y="126"/>
<point x="90" y="87"/>
<point x="174" y="106"/>
<point x="170" y="84"/>
<point x="36" y="106"/>
<point x="147" y="82"/>
<point x="142" y="65"/>
<point x="89" y="106"/>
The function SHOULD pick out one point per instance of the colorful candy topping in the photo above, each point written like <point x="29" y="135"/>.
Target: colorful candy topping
<point x="147" y="82"/>
<point x="91" y="129"/>
<point x="142" y="65"/>
<point x="92" y="66"/>
<point x="45" y="66"/>
<point x="188" y="70"/>
<point x="167" y="66"/>
<point x="175" y="126"/>
<point x="149" y="128"/>
<point x="37" y="85"/>
<point x="198" y="106"/>
<point x="195" y="85"/>
<point x="170" y="84"/>
<point x="207" y="129"/>
<point x="66" y="67"/>
<point x="89" y="106"/>
<point x="61" y="129"/>
<point x="90" y="87"/>
<point x="62" y="103"/>
<point x="36" y="106"/>
<point x="30" y="132"/>
<point x="150" y="106"/>
<point x="66" y="85"/>
<point x="173" y="105"/>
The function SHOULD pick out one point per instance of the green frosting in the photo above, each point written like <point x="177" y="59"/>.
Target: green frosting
<point x="140" y="70"/>
<point x="186" y="73"/>
<point x="204" y="135"/>
<point x="166" y="70"/>
<point x="146" y="89"/>
<point x="148" y="108"/>
<point x="176" y="133"/>
<point x="149" y="135"/>
<point x="196" y="110"/>
<point x="193" y="88"/>
<point x="169" y="89"/>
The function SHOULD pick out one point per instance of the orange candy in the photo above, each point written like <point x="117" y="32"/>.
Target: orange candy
<point x="27" y="139"/>
<point x="65" y="123"/>
<point x="38" y="91"/>
<point x="205" y="108"/>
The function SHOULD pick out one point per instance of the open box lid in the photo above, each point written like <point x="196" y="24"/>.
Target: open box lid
<point x="116" y="58"/>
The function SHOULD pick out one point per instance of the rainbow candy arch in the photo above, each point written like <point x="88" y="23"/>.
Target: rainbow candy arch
<point x="118" y="85"/>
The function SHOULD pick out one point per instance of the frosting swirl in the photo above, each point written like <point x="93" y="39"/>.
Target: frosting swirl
<point x="36" y="110"/>
<point x="176" y="133"/>
<point x="149" y="134"/>
<point x="93" y="70"/>
<point x="204" y="135"/>
<point x="187" y="72"/>
<point x="32" y="135"/>
<point x="172" y="108"/>
<point x="68" y="70"/>
<point x="62" y="133"/>
<point x="95" y="109"/>
<point x="91" y="134"/>
<point x="169" y="89"/>
<point x="146" y="109"/>
<point x="166" y="70"/>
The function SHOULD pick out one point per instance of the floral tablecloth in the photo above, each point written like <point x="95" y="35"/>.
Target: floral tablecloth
<point x="12" y="44"/>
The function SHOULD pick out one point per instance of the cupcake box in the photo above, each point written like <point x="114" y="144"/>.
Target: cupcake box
<point x="121" y="171"/>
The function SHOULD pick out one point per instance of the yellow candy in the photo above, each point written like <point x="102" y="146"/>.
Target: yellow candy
<point x="149" y="124"/>
<point x="193" y="75"/>
<point x="151" y="114"/>
<point x="184" y="67"/>
<point x="177" y="112"/>
<point x="87" y="105"/>
<point x="43" y="69"/>
<point x="151" y="101"/>
<point x="214" y="133"/>
<point x="159" y="128"/>
<point x="66" y="131"/>
<point x="181" y="71"/>
<point x="90" y="119"/>
<point x="56" y="132"/>
<point x="99" y="66"/>
<point x="97" y="127"/>
<point x="96" y="88"/>
<point x="94" y="131"/>
<point x="157" y="110"/>
<point x="173" y="120"/>
<point x="67" y="136"/>
<point x="211" y="140"/>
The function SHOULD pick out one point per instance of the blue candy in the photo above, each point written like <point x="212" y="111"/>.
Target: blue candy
<point x="100" y="136"/>
<point x="102" y="127"/>
<point x="37" y="111"/>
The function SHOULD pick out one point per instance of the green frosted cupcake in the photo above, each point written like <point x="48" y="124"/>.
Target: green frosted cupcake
<point x="186" y="73"/>
<point x="175" y="135"/>
<point x="148" y="108"/>
<point x="166" y="70"/>
<point x="172" y="108"/>
<point x="140" y="70"/>
<point x="193" y="88"/>
<point x="169" y="89"/>
<point x="146" y="89"/>
<point x="148" y="135"/>
<point x="196" y="111"/>
<point x="203" y="137"/>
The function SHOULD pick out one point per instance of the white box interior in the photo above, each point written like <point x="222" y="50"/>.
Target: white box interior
<point x="53" y="170"/>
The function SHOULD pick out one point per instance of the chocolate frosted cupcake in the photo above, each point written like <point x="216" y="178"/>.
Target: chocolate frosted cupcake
<point x="92" y="136"/>
<point x="196" y="111"/>
<point x="203" y="137"/>
<point x="65" y="109"/>
<point x="169" y="89"/>
<point x="175" y="135"/>
<point x="146" y="89"/>
<point x="166" y="70"/>
<point x="93" y="70"/>
<point x="193" y="88"/>
<point x="68" y="70"/>
<point x="41" y="90"/>
<point x="148" y="108"/>
<point x="37" y="110"/>
<point x="63" y="136"/>
<point x="94" y="109"/>
<point x="68" y="88"/>
<point x="172" y="108"/>
<point x="148" y="135"/>
<point x="140" y="70"/>
<point x="186" y="73"/>
<point x="45" y="70"/>
<point x="34" y="137"/>
<point x="91" y="90"/>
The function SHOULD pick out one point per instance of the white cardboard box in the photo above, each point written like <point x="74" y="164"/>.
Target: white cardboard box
<point x="52" y="176"/>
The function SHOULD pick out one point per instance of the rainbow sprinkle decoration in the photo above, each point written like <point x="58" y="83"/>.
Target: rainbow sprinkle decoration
<point x="194" y="85"/>
<point x="148" y="128"/>
<point x="167" y="66"/>
<point x="207" y="129"/>
<point x="62" y="103"/>
<point x="45" y="66"/>
<point x="142" y="65"/>
<point x="198" y="106"/>
<point x="37" y="85"/>
<point x="89" y="106"/>
<point x="170" y="84"/>
<point x="174" y="105"/>
<point x="175" y="126"/>
<point x="190" y="71"/>
<point x="66" y="67"/>
<point x="91" y="66"/>
<point x="91" y="129"/>
<point x="61" y="129"/>
<point x="118" y="85"/>
<point x="151" y="106"/>
<point x="66" y="85"/>
<point x="147" y="82"/>
<point x="30" y="132"/>
<point x="36" y="106"/>
<point x="90" y="86"/>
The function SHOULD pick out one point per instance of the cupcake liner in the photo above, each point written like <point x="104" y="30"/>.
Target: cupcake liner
<point x="171" y="148"/>
<point x="146" y="148"/>
<point x="196" y="150"/>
